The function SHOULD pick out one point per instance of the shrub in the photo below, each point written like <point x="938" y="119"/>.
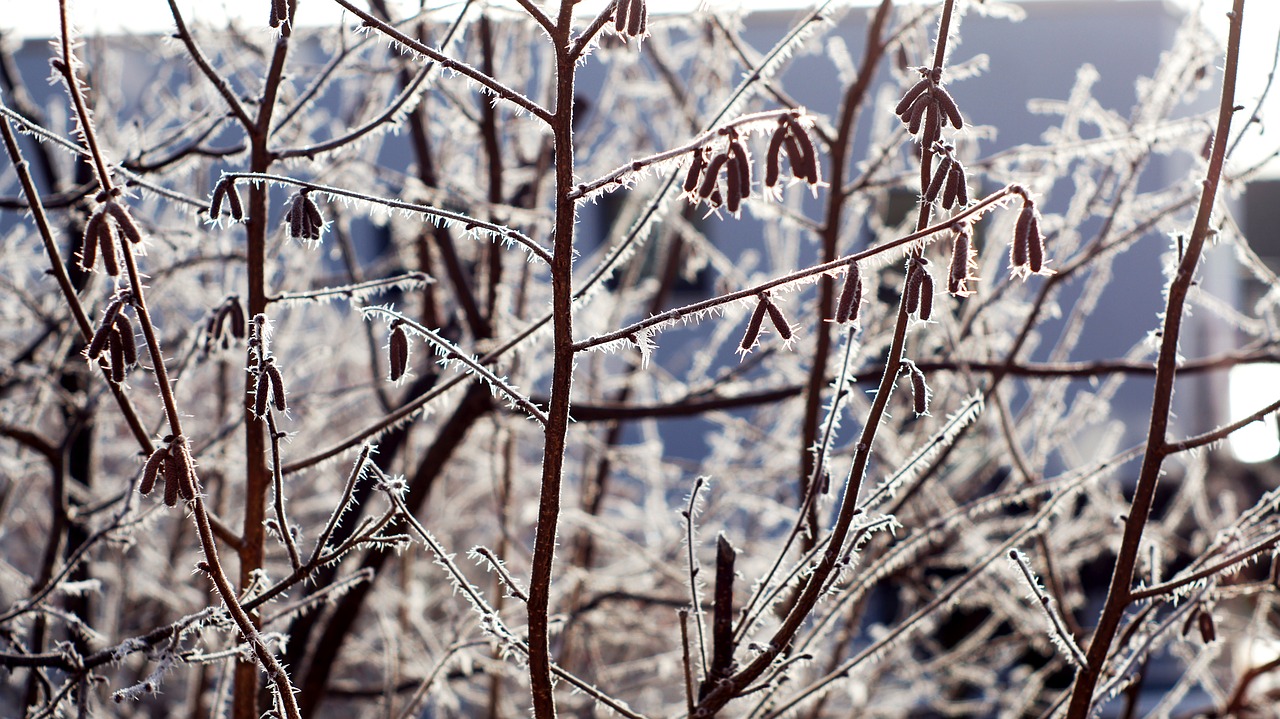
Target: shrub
<point x="388" y="323"/>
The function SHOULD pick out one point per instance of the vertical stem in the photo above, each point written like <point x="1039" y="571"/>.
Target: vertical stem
<point x="1119" y="592"/>
<point x="544" y="706"/>
<point x="257" y="475"/>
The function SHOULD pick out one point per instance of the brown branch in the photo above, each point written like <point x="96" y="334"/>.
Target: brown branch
<point x="1119" y="593"/>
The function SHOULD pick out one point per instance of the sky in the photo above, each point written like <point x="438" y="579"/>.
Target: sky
<point x="39" y="18"/>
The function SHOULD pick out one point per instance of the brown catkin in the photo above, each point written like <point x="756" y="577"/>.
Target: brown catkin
<point x="940" y="176"/>
<point x="1208" y="632"/>
<point x="952" y="191"/>
<point x="152" y="469"/>
<point x="809" y="154"/>
<point x="948" y="106"/>
<point x="1021" y="235"/>
<point x="128" y="344"/>
<point x="1035" y="245"/>
<point x="398" y="349"/>
<point x="913" y="287"/>
<point x="712" y="177"/>
<point x="919" y="390"/>
<point x="127" y="226"/>
<point x="170" y="484"/>
<point x="915" y="114"/>
<point x="904" y="105"/>
<point x="739" y="153"/>
<point x="778" y="319"/>
<point x="695" y="170"/>
<point x="962" y="184"/>
<point x="89" y="246"/>
<point x="107" y="248"/>
<point x="620" y="13"/>
<point x="931" y="131"/>
<point x="98" y="343"/>
<point x="733" y="189"/>
<point x="297" y="221"/>
<point x="957" y="279"/>
<point x="753" y="325"/>
<point x="636" y="18"/>
<point x="235" y="316"/>
<point x="117" y="361"/>
<point x="850" y="297"/>
<point x="260" y="391"/>
<point x="277" y="386"/>
<point x="773" y="158"/>
<point x="215" y="204"/>
<point x="181" y="467"/>
<point x="314" y="221"/>
<point x="926" y="294"/>
<point x="279" y="12"/>
<point x="233" y="198"/>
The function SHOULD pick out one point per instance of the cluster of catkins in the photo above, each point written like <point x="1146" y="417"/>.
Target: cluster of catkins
<point x="173" y="462"/>
<point x="100" y="236"/>
<point x="702" y="182"/>
<point x="115" y="337"/>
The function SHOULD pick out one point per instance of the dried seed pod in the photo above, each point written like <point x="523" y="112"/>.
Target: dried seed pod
<point x="919" y="389"/>
<point x="733" y="190"/>
<point x="398" y="349"/>
<point x="850" y="297"/>
<point x="152" y="469"/>
<point x="739" y="153"/>
<point x="753" y="325"/>
<point x="926" y="295"/>
<point x="126" y="224"/>
<point x="712" y="176"/>
<point x="958" y="279"/>
<point x="948" y="106"/>
<point x="1035" y="245"/>
<point x="124" y="335"/>
<point x="260" y="392"/>
<point x="904" y="105"/>
<point x="277" y="385"/>
<point x="695" y="170"/>
<point x="778" y="319"/>
<point x="773" y="158"/>
<point x="940" y="176"/>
